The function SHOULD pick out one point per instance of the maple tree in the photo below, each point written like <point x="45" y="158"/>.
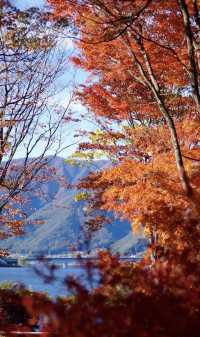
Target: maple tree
<point x="145" y="77"/>
<point x="144" y="59"/>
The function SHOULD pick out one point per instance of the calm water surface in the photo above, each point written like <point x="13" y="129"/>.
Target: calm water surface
<point x="28" y="277"/>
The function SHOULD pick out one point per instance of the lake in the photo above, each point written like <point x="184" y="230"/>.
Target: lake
<point x="28" y="277"/>
<point x="65" y="267"/>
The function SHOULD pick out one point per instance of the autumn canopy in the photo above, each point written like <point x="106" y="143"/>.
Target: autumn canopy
<point x="143" y="58"/>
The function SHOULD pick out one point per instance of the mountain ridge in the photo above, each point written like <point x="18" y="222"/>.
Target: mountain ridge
<point x="64" y="218"/>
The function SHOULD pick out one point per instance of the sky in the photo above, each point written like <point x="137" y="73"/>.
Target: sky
<point x="28" y="3"/>
<point x="71" y="73"/>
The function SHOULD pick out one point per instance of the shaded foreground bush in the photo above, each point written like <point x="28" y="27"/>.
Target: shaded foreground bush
<point x="161" y="300"/>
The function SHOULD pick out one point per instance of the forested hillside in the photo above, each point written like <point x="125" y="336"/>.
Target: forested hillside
<point x="63" y="217"/>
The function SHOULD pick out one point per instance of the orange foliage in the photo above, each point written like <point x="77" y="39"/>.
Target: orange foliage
<point x="144" y="56"/>
<point x="144" y="74"/>
<point x="131" y="300"/>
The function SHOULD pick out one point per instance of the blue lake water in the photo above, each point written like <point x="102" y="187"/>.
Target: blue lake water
<point x="28" y="277"/>
<point x="66" y="267"/>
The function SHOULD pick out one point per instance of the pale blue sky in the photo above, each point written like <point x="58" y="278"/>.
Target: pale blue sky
<point x="28" y="3"/>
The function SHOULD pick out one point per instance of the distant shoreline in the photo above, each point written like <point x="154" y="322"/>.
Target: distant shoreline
<point x="61" y="262"/>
